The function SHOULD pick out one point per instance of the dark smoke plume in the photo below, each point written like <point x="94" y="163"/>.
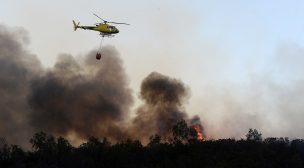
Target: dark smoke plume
<point x="163" y="108"/>
<point x="17" y="68"/>
<point x="76" y="98"/>
<point x="82" y="97"/>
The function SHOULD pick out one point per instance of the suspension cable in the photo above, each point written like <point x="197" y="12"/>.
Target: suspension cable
<point x="100" y="46"/>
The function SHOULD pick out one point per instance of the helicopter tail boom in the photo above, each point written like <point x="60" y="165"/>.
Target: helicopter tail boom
<point x="75" y="25"/>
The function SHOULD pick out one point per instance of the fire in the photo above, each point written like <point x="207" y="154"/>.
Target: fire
<point x="199" y="131"/>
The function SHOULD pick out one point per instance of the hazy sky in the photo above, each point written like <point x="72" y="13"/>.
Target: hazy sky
<point x="242" y="60"/>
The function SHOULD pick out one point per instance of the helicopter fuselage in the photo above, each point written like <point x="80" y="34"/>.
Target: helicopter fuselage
<point x="107" y="29"/>
<point x="103" y="28"/>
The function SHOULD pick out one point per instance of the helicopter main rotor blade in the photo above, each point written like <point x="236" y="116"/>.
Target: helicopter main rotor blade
<point x="119" y="23"/>
<point x="99" y="17"/>
<point x="109" y="22"/>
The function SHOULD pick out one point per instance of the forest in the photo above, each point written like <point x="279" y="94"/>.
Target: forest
<point x="182" y="149"/>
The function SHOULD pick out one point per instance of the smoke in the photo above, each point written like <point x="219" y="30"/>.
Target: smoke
<point x="17" y="68"/>
<point x="76" y="98"/>
<point x="271" y="102"/>
<point x="163" y="106"/>
<point x="82" y="97"/>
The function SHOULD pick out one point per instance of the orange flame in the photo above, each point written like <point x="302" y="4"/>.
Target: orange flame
<point x="199" y="131"/>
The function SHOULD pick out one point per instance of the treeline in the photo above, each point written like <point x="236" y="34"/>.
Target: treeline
<point x="183" y="150"/>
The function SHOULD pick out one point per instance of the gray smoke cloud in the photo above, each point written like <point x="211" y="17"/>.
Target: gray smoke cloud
<point x="80" y="97"/>
<point x="76" y="98"/>
<point x="163" y="106"/>
<point x="17" y="68"/>
<point x="272" y="101"/>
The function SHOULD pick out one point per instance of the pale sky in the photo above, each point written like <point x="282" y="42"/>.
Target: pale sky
<point x="242" y="60"/>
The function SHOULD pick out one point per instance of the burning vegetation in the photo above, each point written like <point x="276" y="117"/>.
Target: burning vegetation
<point x="199" y="131"/>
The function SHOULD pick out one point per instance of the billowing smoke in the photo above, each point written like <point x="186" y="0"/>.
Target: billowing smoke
<point x="76" y="98"/>
<point x="163" y="106"/>
<point x="82" y="97"/>
<point x="17" y="68"/>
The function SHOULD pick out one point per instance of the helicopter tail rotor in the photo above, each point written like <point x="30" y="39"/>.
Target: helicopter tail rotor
<point x="75" y="25"/>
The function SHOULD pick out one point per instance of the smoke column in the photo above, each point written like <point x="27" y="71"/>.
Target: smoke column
<point x="80" y="97"/>
<point x="17" y="68"/>
<point x="163" y="106"/>
<point x="77" y="97"/>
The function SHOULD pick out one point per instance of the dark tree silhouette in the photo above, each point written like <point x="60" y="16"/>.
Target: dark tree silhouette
<point x="254" y="135"/>
<point x="42" y="142"/>
<point x="154" y="140"/>
<point x="182" y="133"/>
<point x="49" y="152"/>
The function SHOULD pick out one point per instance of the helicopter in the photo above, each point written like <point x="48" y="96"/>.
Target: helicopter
<point x="105" y="29"/>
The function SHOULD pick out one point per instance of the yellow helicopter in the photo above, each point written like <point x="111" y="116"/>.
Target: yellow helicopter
<point x="103" y="28"/>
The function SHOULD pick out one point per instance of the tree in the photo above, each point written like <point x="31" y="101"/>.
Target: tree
<point x="4" y="153"/>
<point x="63" y="146"/>
<point x="154" y="140"/>
<point x="17" y="156"/>
<point x="106" y="142"/>
<point x="180" y="131"/>
<point x="184" y="134"/>
<point x="192" y="134"/>
<point x="43" y="142"/>
<point x="253" y="135"/>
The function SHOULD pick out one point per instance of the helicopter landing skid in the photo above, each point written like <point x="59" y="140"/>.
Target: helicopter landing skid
<point x="106" y="35"/>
